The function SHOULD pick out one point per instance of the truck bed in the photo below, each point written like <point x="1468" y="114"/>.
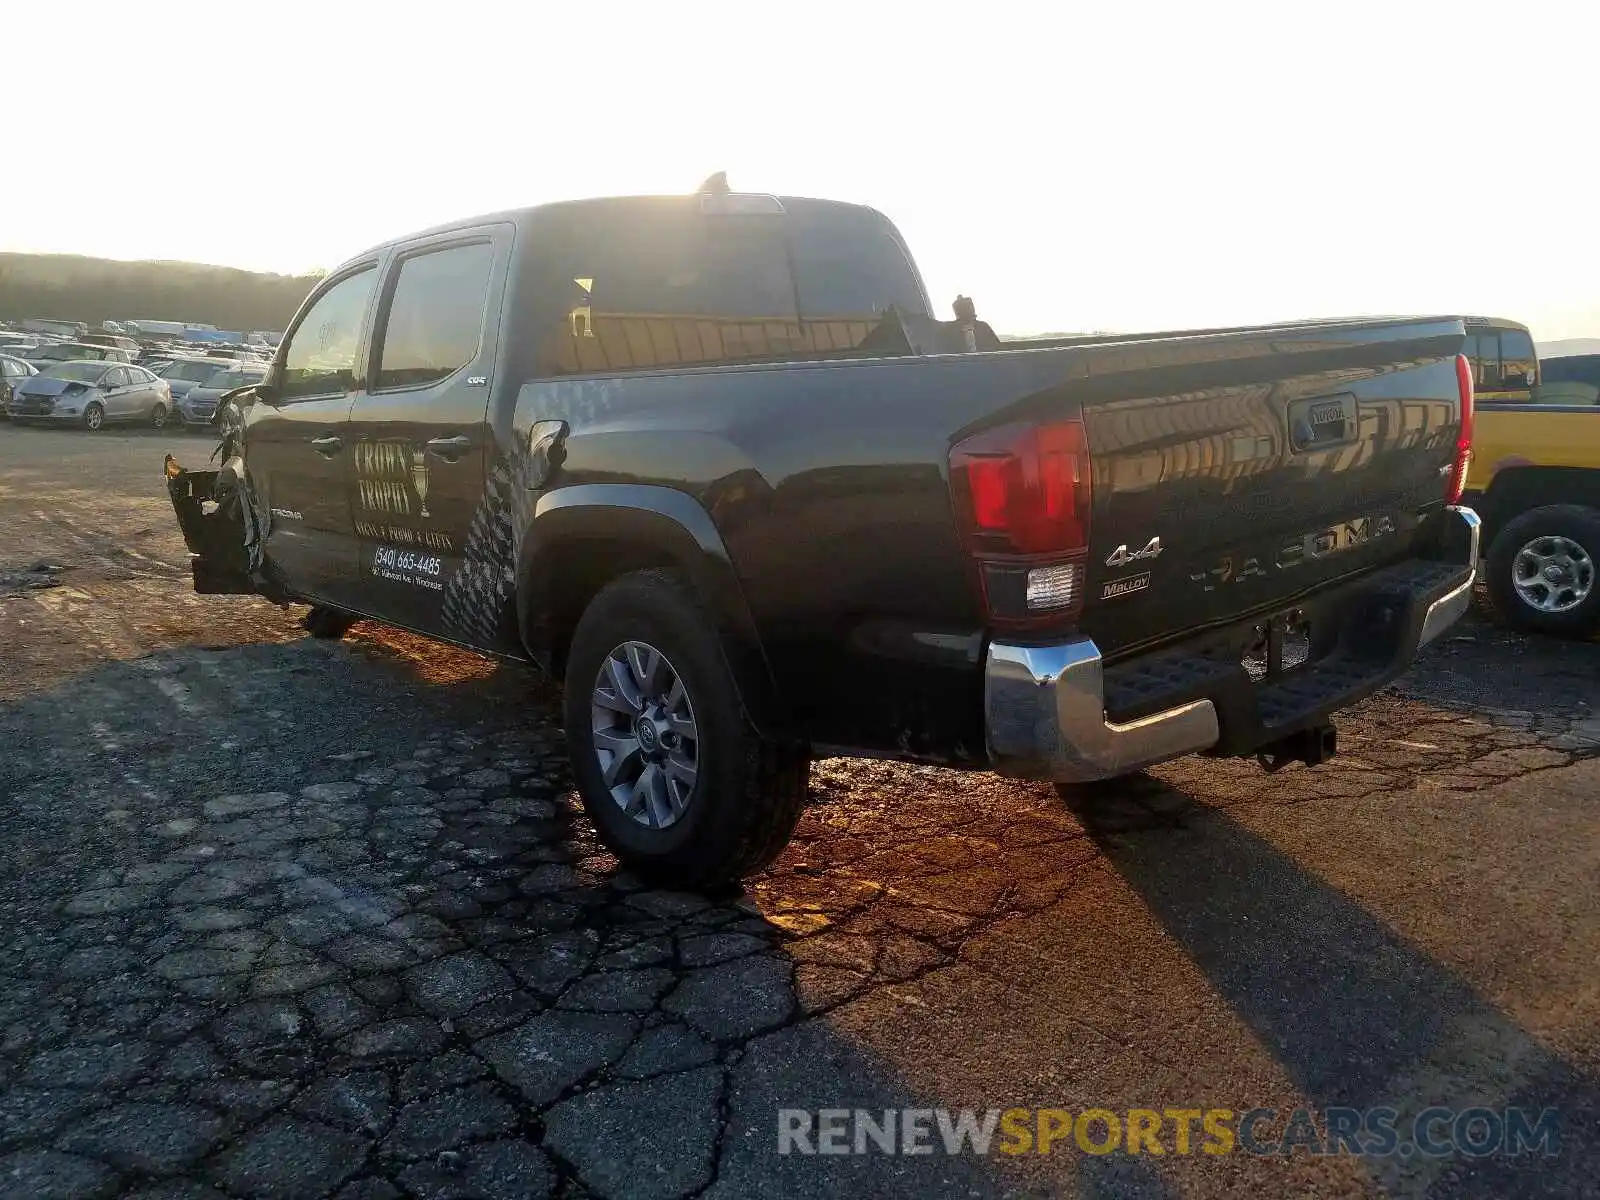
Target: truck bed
<point x="829" y="482"/>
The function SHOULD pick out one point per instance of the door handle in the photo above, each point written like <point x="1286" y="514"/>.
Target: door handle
<point x="327" y="446"/>
<point x="450" y="448"/>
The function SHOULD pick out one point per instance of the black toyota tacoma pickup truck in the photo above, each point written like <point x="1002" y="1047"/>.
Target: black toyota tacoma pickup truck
<point x="713" y="461"/>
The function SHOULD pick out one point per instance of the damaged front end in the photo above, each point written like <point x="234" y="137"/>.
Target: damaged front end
<point x="223" y="524"/>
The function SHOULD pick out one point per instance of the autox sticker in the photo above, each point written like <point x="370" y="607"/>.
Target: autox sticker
<point x="409" y="566"/>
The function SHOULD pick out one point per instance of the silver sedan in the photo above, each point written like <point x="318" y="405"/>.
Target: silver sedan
<point x="92" y="394"/>
<point x="199" y="404"/>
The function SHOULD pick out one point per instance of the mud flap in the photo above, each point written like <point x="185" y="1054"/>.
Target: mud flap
<point x="217" y="529"/>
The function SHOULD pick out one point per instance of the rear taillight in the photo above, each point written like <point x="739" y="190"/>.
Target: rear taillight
<point x="1463" y="459"/>
<point x="1022" y="495"/>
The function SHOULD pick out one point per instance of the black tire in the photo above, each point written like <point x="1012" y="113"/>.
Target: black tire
<point x="158" y="417"/>
<point x="747" y="793"/>
<point x="324" y="621"/>
<point x="1577" y="526"/>
<point x="94" y="416"/>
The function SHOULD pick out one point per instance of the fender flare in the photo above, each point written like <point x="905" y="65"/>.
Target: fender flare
<point x="1519" y="484"/>
<point x="667" y="522"/>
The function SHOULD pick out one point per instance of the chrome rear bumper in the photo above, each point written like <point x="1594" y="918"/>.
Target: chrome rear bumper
<point x="1045" y="715"/>
<point x="1045" y="706"/>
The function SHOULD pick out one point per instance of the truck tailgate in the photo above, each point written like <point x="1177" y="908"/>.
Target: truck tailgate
<point x="1231" y="487"/>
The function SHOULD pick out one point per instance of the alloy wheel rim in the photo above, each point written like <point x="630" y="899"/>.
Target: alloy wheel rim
<point x="645" y="736"/>
<point x="94" y="418"/>
<point x="1552" y="574"/>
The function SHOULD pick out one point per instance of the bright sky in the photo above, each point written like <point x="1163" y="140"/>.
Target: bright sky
<point x="1109" y="165"/>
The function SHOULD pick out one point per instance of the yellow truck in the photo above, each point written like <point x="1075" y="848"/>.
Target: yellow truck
<point x="1535" y="482"/>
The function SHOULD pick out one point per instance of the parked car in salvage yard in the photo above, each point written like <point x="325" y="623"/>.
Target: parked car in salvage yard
<point x="92" y="394"/>
<point x="43" y="356"/>
<point x="712" y="461"/>
<point x="199" y="403"/>
<point x="184" y="372"/>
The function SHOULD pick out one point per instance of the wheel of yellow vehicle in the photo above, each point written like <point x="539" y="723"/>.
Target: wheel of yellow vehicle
<point x="1543" y="570"/>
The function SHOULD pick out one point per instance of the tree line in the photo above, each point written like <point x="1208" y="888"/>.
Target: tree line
<point x="70" y="287"/>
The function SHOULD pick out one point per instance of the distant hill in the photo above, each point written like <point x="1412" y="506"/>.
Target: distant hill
<point x="69" y="287"/>
<point x="1565" y="346"/>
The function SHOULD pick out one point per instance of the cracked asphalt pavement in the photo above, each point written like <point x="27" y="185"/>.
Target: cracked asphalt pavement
<point x="288" y="918"/>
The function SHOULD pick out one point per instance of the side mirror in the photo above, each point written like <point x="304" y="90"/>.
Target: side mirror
<point x="266" y="391"/>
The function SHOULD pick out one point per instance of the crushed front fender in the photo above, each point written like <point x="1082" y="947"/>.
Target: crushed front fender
<point x="221" y="527"/>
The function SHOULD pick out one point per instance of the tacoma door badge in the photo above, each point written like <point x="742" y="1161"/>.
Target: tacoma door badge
<point x="1123" y="557"/>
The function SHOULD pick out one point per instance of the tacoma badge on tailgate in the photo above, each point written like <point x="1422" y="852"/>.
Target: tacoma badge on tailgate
<point x="1347" y="535"/>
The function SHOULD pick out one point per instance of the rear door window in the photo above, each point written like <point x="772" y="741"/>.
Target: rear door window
<point x="434" y="325"/>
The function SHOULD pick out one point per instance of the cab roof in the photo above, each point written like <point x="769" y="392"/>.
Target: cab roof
<point x="1493" y="323"/>
<point x="729" y="202"/>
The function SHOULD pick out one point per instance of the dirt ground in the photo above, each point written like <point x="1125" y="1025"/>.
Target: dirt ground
<point x="295" y="918"/>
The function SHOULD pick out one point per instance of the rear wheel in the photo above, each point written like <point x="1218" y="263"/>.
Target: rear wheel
<point x="677" y="783"/>
<point x="1541" y="570"/>
<point x="94" y="416"/>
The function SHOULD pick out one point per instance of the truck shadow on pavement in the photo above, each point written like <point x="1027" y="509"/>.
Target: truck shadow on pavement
<point x="308" y="919"/>
<point x="1356" y="1015"/>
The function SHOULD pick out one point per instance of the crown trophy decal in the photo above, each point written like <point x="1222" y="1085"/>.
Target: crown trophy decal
<point x="419" y="477"/>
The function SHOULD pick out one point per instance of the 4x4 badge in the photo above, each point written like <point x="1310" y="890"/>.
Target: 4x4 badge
<point x="1122" y="556"/>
